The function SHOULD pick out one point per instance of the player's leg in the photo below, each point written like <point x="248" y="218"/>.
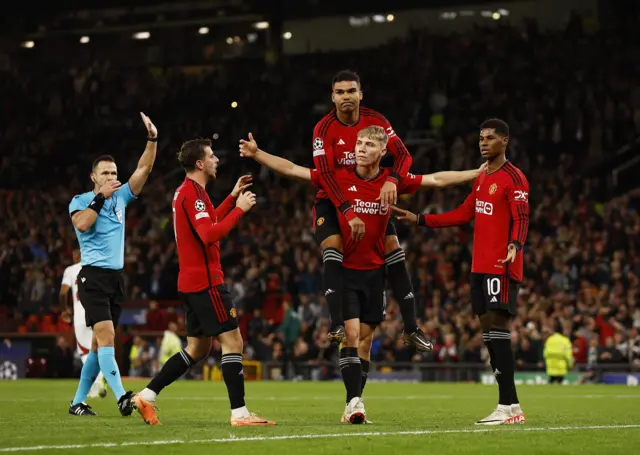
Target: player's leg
<point x="327" y="233"/>
<point x="364" y="351"/>
<point x="220" y="321"/>
<point x="350" y="366"/>
<point x="500" y="297"/>
<point x="402" y="289"/>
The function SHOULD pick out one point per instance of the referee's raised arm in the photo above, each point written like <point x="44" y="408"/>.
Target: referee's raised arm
<point x="145" y="164"/>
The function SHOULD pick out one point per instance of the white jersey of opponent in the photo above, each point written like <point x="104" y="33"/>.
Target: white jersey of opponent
<point x="83" y="333"/>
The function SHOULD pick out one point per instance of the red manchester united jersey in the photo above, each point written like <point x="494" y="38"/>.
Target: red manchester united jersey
<point x="198" y="227"/>
<point x="334" y="145"/>
<point x="367" y="253"/>
<point x="499" y="201"/>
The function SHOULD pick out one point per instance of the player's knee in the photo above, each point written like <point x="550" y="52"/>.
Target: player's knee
<point x="391" y="244"/>
<point x="500" y="320"/>
<point x="198" y="348"/>
<point x="334" y="241"/>
<point x="364" y="348"/>
<point x="352" y="336"/>
<point x="231" y="342"/>
<point x="486" y="322"/>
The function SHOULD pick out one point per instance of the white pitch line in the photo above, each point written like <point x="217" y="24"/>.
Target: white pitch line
<point x="366" y="397"/>
<point x="304" y="436"/>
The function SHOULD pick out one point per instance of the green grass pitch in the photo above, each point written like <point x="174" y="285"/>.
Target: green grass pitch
<point x="407" y="418"/>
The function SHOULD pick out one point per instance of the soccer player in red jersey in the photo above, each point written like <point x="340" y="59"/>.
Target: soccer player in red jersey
<point x="334" y="148"/>
<point x="364" y="259"/>
<point x="499" y="203"/>
<point x="210" y="311"/>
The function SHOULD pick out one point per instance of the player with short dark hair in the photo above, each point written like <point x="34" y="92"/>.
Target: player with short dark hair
<point x="210" y="311"/>
<point x="499" y="203"/>
<point x="333" y="148"/>
<point x="364" y="259"/>
<point x="98" y="217"/>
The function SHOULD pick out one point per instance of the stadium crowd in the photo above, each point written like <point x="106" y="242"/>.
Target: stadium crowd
<point x="566" y="111"/>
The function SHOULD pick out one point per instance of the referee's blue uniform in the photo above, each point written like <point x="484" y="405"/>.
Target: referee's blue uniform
<point x="100" y="283"/>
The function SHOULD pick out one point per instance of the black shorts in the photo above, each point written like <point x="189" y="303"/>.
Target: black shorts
<point x="101" y="293"/>
<point x="556" y="379"/>
<point x="493" y="293"/>
<point x="364" y="295"/>
<point x="326" y="224"/>
<point x="209" y="312"/>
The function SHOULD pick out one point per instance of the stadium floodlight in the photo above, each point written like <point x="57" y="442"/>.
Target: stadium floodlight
<point x="84" y="39"/>
<point x="495" y="16"/>
<point x="486" y="13"/>
<point x="252" y="37"/>
<point x="229" y="40"/>
<point x="141" y="35"/>
<point x="234" y="104"/>
<point x="203" y="30"/>
<point x="379" y="18"/>
<point x="503" y="12"/>
<point x="287" y="35"/>
<point x="390" y="17"/>
<point x="28" y="44"/>
<point x="262" y="25"/>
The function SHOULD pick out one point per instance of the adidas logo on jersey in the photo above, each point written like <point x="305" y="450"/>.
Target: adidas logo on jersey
<point x="83" y="279"/>
<point x="329" y="291"/>
<point x="409" y="296"/>
<point x="353" y="188"/>
<point x="340" y="142"/>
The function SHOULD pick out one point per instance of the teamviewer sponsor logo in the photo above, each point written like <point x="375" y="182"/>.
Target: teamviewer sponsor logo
<point x="484" y="207"/>
<point x="348" y="159"/>
<point x="370" y="208"/>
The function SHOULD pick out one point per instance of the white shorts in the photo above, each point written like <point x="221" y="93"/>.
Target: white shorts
<point x="83" y="337"/>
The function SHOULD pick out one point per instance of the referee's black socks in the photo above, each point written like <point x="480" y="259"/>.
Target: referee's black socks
<point x="333" y="284"/>
<point x="504" y="365"/>
<point x="402" y="288"/>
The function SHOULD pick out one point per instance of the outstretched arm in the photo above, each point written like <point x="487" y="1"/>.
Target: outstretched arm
<point x="145" y="164"/>
<point x="249" y="149"/>
<point x="449" y="178"/>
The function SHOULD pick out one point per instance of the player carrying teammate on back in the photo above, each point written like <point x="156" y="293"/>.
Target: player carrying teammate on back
<point x="333" y="148"/>
<point x="364" y="259"/>
<point x="499" y="203"/>
<point x="210" y="311"/>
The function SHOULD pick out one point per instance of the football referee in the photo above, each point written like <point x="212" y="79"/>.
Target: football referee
<point x="98" y="218"/>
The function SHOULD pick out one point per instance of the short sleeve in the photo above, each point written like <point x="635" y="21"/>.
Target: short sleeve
<point x="67" y="278"/>
<point x="126" y="194"/>
<point x="77" y="203"/>
<point x="410" y="184"/>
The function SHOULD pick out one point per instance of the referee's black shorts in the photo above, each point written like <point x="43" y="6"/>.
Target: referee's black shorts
<point x="209" y="312"/>
<point x="101" y="293"/>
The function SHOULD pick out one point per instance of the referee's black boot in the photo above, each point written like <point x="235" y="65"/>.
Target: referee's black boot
<point x="417" y="339"/>
<point x="337" y="334"/>
<point x="81" y="409"/>
<point x="125" y="404"/>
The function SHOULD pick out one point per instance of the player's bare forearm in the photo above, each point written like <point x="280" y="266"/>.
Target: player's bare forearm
<point x="84" y="219"/>
<point x="448" y="178"/>
<point x="145" y="165"/>
<point x="283" y="166"/>
<point x="62" y="296"/>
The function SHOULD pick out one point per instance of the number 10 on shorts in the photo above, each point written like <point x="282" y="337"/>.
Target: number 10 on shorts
<point x="493" y="288"/>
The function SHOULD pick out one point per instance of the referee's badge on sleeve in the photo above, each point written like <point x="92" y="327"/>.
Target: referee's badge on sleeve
<point x="119" y="215"/>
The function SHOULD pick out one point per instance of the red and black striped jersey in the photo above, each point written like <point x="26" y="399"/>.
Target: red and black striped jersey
<point x="499" y="202"/>
<point x="334" y="146"/>
<point x="198" y="228"/>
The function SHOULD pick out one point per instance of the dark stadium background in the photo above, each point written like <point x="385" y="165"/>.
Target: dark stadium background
<point x="565" y="75"/>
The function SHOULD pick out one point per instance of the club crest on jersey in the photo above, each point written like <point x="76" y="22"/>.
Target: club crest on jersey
<point x="371" y="208"/>
<point x="320" y="221"/>
<point x="199" y="205"/>
<point x="493" y="188"/>
<point x="318" y="144"/>
<point x="232" y="312"/>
